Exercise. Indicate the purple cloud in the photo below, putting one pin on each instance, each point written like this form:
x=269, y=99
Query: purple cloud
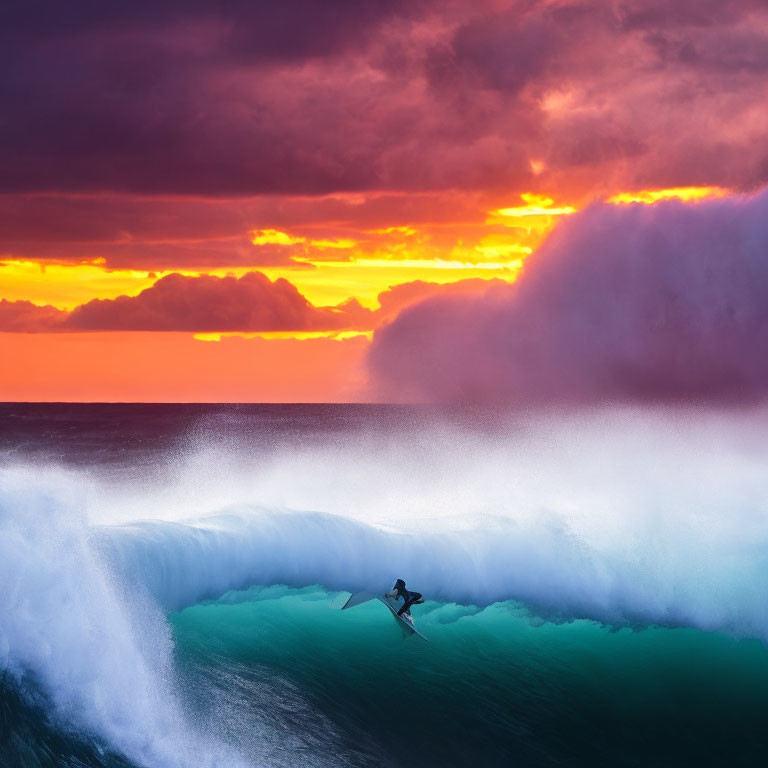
x=308, y=98
x=26, y=317
x=642, y=303
x=207, y=303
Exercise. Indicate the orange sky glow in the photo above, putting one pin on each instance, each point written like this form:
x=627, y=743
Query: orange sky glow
x=239, y=201
x=269, y=366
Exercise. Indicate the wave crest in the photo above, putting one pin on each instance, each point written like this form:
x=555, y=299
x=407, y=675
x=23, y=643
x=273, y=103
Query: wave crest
x=102, y=656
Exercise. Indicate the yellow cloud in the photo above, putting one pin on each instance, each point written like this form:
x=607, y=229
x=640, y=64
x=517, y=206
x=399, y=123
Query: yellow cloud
x=650, y=196
x=274, y=237
x=300, y=335
x=440, y=252
x=402, y=230
x=67, y=285
x=339, y=243
x=535, y=205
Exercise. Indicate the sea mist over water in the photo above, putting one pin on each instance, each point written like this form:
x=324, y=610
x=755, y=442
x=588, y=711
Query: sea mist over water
x=630, y=518
x=619, y=516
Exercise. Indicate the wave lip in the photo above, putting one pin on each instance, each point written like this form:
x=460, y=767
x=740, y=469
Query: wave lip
x=673, y=575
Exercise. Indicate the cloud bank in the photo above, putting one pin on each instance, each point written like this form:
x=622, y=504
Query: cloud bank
x=251, y=303
x=156, y=136
x=208, y=303
x=309, y=98
x=622, y=303
x=26, y=317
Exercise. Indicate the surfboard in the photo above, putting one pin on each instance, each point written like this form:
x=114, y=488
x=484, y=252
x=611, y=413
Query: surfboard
x=393, y=607
x=358, y=598
x=363, y=597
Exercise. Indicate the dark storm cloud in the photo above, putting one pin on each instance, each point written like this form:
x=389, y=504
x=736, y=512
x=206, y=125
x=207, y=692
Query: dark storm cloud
x=635, y=93
x=307, y=97
x=250, y=29
x=167, y=233
x=656, y=14
x=507, y=50
x=137, y=96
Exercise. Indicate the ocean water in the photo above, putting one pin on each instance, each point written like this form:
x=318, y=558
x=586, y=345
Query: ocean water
x=171, y=579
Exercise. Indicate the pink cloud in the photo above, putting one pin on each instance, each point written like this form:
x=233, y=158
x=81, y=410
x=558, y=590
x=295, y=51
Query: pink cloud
x=251, y=99
x=26, y=317
x=395, y=299
x=647, y=303
x=207, y=303
x=157, y=138
x=165, y=233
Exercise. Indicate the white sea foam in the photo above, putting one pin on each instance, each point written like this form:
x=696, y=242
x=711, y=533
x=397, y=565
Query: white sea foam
x=636, y=517
x=102, y=657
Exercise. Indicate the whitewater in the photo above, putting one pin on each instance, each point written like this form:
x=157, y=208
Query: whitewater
x=173, y=600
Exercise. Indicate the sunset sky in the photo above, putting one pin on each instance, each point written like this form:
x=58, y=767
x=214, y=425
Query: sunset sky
x=235, y=201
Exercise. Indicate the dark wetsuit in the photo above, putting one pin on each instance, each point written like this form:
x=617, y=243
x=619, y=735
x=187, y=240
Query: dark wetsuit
x=409, y=598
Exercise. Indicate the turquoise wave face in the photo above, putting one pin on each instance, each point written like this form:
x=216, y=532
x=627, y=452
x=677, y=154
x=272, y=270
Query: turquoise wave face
x=282, y=672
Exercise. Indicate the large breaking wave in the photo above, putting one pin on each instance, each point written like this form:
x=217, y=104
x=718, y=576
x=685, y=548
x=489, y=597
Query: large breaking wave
x=645, y=531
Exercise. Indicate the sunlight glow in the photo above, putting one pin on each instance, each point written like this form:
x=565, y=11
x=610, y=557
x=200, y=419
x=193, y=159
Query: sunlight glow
x=405, y=231
x=687, y=194
x=300, y=335
x=535, y=205
x=274, y=237
x=339, y=243
x=359, y=265
x=66, y=285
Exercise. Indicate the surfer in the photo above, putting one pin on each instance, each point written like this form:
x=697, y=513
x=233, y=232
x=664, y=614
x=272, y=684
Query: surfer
x=409, y=598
